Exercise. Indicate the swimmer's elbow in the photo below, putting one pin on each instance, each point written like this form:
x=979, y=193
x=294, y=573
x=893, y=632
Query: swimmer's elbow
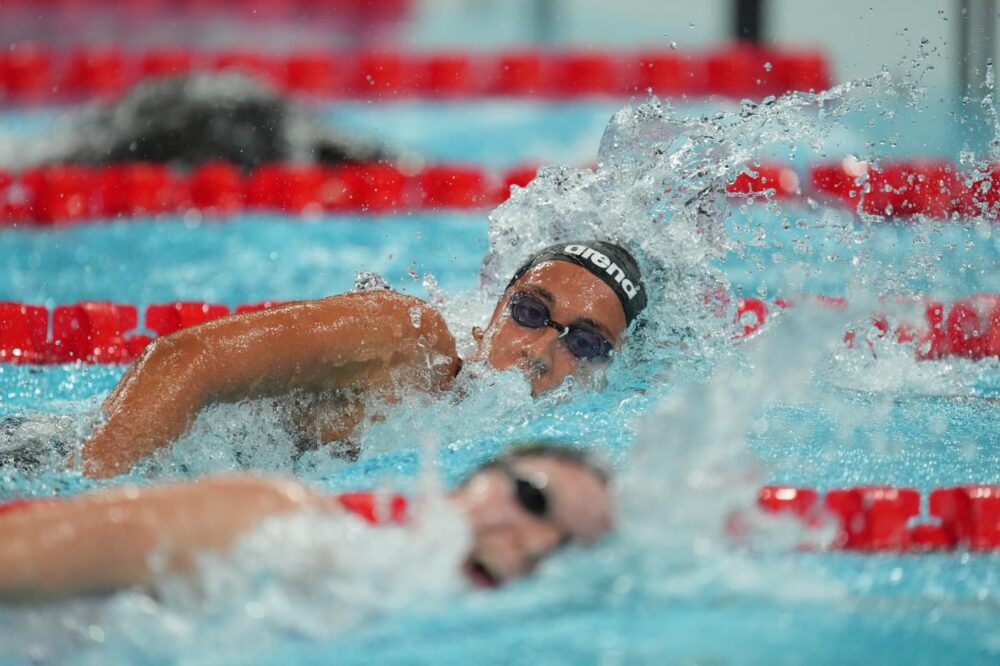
x=423, y=318
x=431, y=327
x=183, y=358
x=408, y=317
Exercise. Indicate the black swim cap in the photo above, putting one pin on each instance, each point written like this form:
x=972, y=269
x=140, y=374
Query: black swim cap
x=611, y=263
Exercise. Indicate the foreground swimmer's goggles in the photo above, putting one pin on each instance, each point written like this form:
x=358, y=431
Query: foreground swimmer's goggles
x=530, y=312
x=530, y=494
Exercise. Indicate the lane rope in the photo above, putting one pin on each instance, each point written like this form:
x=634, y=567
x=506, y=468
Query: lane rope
x=34, y=74
x=65, y=194
x=889, y=519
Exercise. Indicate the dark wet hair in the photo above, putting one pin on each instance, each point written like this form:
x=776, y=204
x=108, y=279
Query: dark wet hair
x=583, y=458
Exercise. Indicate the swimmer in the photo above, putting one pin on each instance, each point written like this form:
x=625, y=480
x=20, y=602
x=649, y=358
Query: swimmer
x=563, y=313
x=519, y=508
x=194, y=118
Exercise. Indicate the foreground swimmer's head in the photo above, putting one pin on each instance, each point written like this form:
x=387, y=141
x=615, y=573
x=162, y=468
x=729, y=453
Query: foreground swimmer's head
x=565, y=309
x=527, y=503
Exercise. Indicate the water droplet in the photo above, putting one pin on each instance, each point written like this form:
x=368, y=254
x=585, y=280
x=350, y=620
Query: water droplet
x=368, y=281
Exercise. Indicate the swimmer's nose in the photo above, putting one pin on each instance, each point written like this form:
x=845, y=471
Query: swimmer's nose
x=539, y=352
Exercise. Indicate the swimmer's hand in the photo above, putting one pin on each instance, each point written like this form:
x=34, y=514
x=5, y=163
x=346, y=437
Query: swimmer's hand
x=107, y=540
x=360, y=341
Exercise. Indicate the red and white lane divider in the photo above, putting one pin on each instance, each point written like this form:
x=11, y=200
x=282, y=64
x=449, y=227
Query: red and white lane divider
x=30, y=73
x=104, y=332
x=967, y=328
x=931, y=187
x=96, y=331
x=883, y=518
x=900, y=189
x=63, y=194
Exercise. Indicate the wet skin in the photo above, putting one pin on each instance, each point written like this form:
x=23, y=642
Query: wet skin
x=508, y=541
x=574, y=296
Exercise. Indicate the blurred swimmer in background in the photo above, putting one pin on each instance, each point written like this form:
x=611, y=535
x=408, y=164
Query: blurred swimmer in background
x=563, y=313
x=518, y=508
x=190, y=119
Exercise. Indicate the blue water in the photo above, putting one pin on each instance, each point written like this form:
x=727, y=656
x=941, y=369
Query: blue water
x=600, y=606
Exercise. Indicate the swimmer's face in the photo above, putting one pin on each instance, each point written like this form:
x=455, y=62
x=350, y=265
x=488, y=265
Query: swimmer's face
x=509, y=540
x=573, y=297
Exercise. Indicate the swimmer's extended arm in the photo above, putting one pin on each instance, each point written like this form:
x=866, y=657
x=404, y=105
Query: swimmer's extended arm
x=359, y=340
x=122, y=537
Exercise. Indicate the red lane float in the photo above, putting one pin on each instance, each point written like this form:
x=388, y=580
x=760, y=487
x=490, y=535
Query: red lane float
x=31, y=73
x=766, y=179
x=970, y=515
x=455, y=187
x=968, y=328
x=287, y=187
x=372, y=188
x=751, y=314
x=930, y=187
x=56, y=194
x=311, y=73
x=94, y=331
x=91, y=332
x=97, y=71
x=26, y=73
x=374, y=508
x=130, y=190
x=873, y=517
x=518, y=74
x=217, y=189
x=170, y=317
x=669, y=74
x=883, y=518
x=62, y=194
x=23, y=333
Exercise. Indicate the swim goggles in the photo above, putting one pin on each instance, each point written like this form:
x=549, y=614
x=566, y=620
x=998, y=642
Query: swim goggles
x=529, y=493
x=530, y=312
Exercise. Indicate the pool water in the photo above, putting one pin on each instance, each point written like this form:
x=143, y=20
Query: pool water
x=669, y=587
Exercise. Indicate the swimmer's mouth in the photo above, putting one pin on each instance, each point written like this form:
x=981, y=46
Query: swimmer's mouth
x=479, y=574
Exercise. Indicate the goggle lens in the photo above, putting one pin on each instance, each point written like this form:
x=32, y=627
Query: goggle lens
x=530, y=312
x=531, y=498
